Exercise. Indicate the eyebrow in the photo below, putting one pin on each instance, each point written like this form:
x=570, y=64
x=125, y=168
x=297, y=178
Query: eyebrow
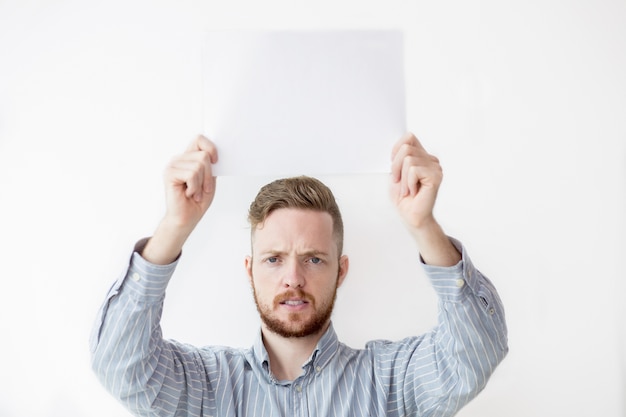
x=311, y=252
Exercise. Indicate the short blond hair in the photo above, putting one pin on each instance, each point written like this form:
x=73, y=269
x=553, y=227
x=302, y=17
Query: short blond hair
x=305, y=193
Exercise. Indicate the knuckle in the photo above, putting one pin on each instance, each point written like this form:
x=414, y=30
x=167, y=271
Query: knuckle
x=205, y=157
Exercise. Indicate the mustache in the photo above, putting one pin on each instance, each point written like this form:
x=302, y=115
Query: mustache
x=294, y=294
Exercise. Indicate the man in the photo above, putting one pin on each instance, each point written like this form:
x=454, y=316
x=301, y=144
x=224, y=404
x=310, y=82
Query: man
x=297, y=367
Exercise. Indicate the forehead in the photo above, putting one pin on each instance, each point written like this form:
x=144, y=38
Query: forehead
x=287, y=227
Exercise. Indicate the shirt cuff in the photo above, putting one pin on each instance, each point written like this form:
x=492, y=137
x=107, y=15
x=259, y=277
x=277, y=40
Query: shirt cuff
x=144, y=280
x=452, y=282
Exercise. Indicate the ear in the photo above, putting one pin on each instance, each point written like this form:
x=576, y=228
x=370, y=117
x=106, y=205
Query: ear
x=344, y=263
x=249, y=267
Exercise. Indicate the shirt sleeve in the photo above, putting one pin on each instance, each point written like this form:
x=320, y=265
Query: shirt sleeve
x=438, y=373
x=128, y=354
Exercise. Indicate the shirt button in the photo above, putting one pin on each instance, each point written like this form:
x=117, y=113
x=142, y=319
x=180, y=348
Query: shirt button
x=492, y=311
x=135, y=277
x=299, y=388
x=460, y=283
x=318, y=368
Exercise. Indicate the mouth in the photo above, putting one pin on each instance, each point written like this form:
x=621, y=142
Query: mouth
x=294, y=302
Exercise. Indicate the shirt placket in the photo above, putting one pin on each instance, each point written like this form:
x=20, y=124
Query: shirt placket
x=299, y=395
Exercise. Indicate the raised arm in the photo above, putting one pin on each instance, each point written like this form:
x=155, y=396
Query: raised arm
x=416, y=177
x=149, y=375
x=449, y=366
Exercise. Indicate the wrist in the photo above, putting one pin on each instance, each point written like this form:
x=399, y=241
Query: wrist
x=435, y=246
x=166, y=243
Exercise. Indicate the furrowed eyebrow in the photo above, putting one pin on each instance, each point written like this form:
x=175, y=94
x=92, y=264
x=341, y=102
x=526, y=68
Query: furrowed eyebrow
x=314, y=253
x=272, y=253
x=311, y=252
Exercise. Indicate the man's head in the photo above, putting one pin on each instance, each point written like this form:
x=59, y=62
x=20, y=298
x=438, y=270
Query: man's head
x=296, y=264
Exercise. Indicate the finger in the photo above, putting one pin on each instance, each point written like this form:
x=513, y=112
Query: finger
x=201, y=143
x=397, y=162
x=205, y=152
x=190, y=171
x=408, y=145
x=189, y=175
x=417, y=171
x=407, y=139
x=407, y=152
x=413, y=180
x=409, y=178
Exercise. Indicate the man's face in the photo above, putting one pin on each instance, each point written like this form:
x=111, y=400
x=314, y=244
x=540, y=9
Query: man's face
x=295, y=271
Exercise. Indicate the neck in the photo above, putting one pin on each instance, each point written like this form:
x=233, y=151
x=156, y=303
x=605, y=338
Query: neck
x=288, y=354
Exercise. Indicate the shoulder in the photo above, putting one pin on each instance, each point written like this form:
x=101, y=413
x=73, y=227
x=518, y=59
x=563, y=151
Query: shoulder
x=391, y=357
x=210, y=355
x=381, y=350
x=234, y=354
x=383, y=346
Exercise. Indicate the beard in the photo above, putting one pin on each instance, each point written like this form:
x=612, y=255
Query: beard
x=297, y=324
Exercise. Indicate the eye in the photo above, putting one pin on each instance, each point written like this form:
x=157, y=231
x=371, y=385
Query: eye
x=315, y=260
x=272, y=259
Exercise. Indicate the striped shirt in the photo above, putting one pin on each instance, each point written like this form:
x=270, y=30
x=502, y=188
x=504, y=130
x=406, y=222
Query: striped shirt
x=433, y=375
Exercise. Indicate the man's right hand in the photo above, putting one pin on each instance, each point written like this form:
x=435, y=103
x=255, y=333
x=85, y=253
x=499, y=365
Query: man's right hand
x=189, y=191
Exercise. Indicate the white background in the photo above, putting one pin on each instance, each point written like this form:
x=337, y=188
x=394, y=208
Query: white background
x=524, y=103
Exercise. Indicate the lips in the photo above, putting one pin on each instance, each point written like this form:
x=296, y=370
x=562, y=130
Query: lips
x=294, y=302
x=293, y=299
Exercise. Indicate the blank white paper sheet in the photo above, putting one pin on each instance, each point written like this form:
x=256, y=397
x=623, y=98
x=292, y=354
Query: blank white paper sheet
x=303, y=102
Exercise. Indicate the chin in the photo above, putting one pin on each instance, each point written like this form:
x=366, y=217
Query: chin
x=293, y=330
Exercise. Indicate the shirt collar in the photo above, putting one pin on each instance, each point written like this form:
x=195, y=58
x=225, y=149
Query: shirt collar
x=260, y=353
x=326, y=348
x=321, y=356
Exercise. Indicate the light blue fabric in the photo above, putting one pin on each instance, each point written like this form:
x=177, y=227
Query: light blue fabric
x=434, y=374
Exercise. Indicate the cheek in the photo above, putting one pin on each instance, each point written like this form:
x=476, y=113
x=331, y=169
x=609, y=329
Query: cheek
x=261, y=290
x=330, y=293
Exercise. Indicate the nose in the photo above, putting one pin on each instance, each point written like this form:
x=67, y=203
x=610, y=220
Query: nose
x=294, y=276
